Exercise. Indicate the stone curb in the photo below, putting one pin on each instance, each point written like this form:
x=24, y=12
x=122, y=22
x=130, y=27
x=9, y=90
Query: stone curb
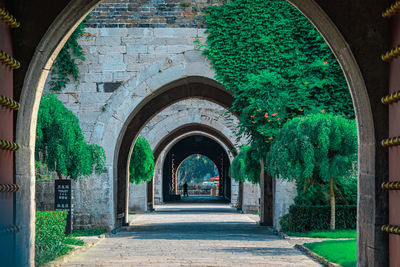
x=313, y=239
x=283, y=235
x=77, y=250
x=316, y=257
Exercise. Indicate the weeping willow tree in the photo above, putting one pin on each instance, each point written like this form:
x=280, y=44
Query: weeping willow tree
x=60, y=143
x=245, y=166
x=141, y=167
x=315, y=149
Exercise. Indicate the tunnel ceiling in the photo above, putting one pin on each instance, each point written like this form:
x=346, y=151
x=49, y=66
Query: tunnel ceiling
x=197, y=144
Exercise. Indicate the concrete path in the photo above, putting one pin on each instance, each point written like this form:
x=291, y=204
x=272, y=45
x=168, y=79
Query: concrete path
x=193, y=234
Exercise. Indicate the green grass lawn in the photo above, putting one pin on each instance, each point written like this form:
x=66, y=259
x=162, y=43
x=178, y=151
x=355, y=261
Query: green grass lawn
x=88, y=232
x=343, y=252
x=70, y=240
x=327, y=234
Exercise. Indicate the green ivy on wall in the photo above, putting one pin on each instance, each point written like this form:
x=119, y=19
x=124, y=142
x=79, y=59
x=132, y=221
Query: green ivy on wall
x=276, y=64
x=65, y=65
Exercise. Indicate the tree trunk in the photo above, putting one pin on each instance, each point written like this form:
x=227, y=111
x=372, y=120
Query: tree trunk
x=332, y=196
x=59, y=175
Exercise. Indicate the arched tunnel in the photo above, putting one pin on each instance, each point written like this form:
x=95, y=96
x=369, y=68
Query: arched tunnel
x=195, y=144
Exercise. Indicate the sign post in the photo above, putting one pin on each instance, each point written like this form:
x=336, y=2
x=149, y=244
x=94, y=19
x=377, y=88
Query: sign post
x=63, y=195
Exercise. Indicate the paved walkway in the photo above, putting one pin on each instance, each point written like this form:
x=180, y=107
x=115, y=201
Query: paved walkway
x=193, y=234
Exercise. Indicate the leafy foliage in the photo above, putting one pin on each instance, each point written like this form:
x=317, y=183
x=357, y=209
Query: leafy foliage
x=313, y=149
x=276, y=64
x=308, y=218
x=50, y=228
x=42, y=172
x=60, y=143
x=319, y=152
x=194, y=168
x=245, y=166
x=71, y=240
x=65, y=64
x=236, y=170
x=279, y=68
x=141, y=167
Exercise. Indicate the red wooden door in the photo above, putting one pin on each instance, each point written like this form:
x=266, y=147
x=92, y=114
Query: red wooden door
x=393, y=142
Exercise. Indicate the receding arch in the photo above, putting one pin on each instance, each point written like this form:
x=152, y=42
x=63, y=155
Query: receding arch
x=189, y=145
x=190, y=87
x=176, y=117
x=192, y=128
x=157, y=180
x=180, y=164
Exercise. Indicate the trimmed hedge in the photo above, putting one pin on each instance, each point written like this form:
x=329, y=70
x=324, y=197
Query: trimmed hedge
x=308, y=218
x=50, y=234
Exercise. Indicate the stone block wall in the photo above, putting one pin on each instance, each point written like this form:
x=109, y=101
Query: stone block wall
x=86, y=213
x=234, y=193
x=115, y=56
x=158, y=182
x=284, y=194
x=123, y=58
x=44, y=195
x=251, y=197
x=137, y=197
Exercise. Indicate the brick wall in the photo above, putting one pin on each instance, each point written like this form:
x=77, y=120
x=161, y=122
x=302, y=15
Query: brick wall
x=150, y=14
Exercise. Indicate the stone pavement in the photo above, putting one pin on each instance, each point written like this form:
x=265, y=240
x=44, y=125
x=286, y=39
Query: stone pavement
x=193, y=234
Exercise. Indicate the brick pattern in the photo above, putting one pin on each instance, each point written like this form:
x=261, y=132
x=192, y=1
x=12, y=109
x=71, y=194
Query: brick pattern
x=150, y=14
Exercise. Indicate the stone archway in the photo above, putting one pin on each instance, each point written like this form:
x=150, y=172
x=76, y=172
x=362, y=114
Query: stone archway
x=182, y=117
x=191, y=87
x=371, y=248
x=189, y=145
x=168, y=141
x=144, y=196
x=191, y=112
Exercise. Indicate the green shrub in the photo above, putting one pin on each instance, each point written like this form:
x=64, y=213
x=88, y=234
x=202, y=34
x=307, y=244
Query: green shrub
x=141, y=167
x=89, y=232
x=71, y=240
x=50, y=234
x=60, y=143
x=246, y=165
x=308, y=218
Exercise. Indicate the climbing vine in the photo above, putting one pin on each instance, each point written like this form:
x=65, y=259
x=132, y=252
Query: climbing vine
x=65, y=65
x=276, y=64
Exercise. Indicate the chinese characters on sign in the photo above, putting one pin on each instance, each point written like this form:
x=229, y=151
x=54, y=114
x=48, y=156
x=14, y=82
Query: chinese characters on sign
x=62, y=201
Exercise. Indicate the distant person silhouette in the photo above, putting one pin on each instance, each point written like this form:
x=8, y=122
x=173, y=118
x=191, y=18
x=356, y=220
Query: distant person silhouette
x=185, y=189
